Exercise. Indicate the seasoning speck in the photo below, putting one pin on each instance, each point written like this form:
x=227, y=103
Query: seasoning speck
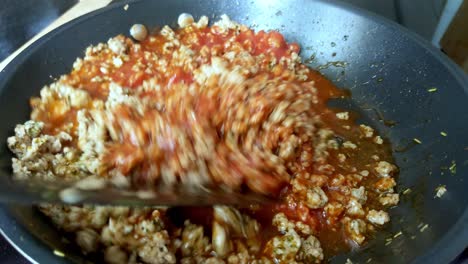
x=424, y=228
x=408, y=190
x=432, y=90
x=453, y=167
x=59, y=253
x=444, y=134
x=417, y=140
x=440, y=190
x=398, y=234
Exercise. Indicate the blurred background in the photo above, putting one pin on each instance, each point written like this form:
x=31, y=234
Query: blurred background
x=442, y=22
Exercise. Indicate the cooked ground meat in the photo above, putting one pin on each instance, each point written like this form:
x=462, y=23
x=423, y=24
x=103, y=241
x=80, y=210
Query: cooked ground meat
x=215, y=106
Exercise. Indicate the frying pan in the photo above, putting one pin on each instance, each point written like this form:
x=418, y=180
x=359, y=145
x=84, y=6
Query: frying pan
x=388, y=70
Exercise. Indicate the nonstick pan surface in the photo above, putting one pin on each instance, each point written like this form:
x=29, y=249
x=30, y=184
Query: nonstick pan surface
x=387, y=68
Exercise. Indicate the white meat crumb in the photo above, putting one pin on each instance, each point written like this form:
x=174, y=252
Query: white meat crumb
x=349, y=144
x=117, y=61
x=316, y=198
x=354, y=208
x=360, y=194
x=385, y=169
x=378, y=217
x=117, y=45
x=77, y=64
x=342, y=115
x=389, y=199
x=285, y=247
x=73, y=97
x=311, y=251
x=367, y=131
x=155, y=250
x=364, y=173
x=355, y=229
x=119, y=95
x=202, y=22
x=440, y=190
x=341, y=157
x=378, y=140
x=92, y=135
x=284, y=224
x=41, y=156
x=226, y=23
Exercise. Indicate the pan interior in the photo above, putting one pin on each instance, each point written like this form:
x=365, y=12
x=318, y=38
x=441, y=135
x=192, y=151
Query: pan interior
x=389, y=73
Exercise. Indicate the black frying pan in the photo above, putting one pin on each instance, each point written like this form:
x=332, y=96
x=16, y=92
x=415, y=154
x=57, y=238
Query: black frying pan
x=387, y=68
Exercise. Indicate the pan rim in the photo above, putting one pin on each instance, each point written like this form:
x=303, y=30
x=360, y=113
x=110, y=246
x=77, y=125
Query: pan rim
x=444, y=250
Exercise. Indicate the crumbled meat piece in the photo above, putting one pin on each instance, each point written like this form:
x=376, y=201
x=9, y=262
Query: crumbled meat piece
x=354, y=208
x=284, y=224
x=226, y=23
x=349, y=145
x=360, y=194
x=202, y=22
x=117, y=45
x=334, y=209
x=343, y=115
x=284, y=248
x=117, y=62
x=316, y=198
x=367, y=131
x=341, y=157
x=311, y=251
x=72, y=97
x=377, y=217
x=364, y=173
x=385, y=169
x=389, y=199
x=385, y=184
x=355, y=229
x=378, y=140
x=42, y=156
x=155, y=249
x=92, y=135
